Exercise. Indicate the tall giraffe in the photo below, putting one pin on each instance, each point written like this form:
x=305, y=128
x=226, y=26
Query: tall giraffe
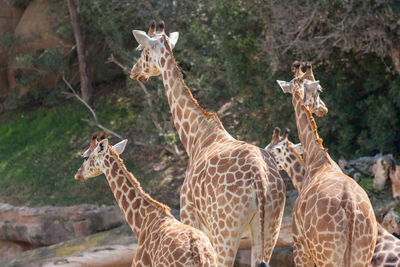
x=334, y=221
x=288, y=158
x=162, y=240
x=230, y=187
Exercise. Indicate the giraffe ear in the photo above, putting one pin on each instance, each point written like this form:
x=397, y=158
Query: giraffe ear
x=299, y=148
x=286, y=86
x=173, y=39
x=101, y=147
x=143, y=39
x=86, y=153
x=120, y=147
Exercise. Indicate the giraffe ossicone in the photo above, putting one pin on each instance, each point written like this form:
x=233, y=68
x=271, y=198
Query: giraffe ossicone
x=231, y=188
x=162, y=240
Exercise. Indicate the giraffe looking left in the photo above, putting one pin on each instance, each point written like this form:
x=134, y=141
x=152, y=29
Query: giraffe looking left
x=231, y=188
x=162, y=240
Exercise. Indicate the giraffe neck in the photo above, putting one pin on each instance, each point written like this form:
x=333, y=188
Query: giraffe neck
x=314, y=154
x=190, y=119
x=296, y=172
x=139, y=209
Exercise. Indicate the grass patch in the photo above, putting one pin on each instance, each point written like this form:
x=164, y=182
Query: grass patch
x=40, y=152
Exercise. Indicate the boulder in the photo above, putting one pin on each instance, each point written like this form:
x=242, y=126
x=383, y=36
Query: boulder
x=391, y=222
x=35, y=28
x=115, y=247
x=9, y=17
x=395, y=178
x=381, y=170
x=50, y=225
x=9, y=249
x=36, y=24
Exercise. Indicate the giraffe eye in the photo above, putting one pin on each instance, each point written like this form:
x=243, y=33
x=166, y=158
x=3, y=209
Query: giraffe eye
x=278, y=150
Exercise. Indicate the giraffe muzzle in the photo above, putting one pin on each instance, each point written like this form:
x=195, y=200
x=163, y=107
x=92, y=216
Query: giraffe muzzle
x=140, y=77
x=79, y=177
x=321, y=111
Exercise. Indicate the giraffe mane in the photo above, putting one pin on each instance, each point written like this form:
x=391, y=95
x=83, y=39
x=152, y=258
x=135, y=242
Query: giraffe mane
x=136, y=184
x=209, y=115
x=312, y=121
x=295, y=153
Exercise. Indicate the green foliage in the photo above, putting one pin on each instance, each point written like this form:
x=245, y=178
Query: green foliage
x=367, y=184
x=363, y=108
x=228, y=51
x=40, y=152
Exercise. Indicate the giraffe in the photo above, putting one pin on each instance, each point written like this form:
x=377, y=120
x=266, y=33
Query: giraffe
x=334, y=223
x=162, y=240
x=231, y=188
x=288, y=158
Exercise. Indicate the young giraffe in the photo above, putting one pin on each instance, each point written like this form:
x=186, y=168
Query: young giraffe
x=231, y=187
x=334, y=223
x=288, y=158
x=162, y=240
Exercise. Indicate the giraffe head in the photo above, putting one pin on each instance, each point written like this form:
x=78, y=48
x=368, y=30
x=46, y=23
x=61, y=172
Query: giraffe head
x=93, y=164
x=153, y=46
x=287, y=155
x=308, y=87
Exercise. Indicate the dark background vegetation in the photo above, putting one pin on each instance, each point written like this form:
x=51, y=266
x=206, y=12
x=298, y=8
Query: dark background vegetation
x=230, y=52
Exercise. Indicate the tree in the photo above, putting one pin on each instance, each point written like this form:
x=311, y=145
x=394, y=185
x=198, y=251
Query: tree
x=86, y=87
x=312, y=29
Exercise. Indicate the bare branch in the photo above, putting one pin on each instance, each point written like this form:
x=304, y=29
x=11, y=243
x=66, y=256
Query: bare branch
x=112, y=59
x=95, y=122
x=74, y=94
x=301, y=30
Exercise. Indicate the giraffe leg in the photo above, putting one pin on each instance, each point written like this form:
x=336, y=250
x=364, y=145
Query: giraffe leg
x=300, y=255
x=273, y=220
x=225, y=249
x=256, y=253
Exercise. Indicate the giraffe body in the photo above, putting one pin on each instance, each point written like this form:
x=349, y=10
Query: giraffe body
x=231, y=188
x=333, y=222
x=288, y=158
x=387, y=250
x=162, y=240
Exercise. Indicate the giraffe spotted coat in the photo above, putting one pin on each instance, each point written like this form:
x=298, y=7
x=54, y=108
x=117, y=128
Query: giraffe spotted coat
x=162, y=240
x=288, y=158
x=231, y=188
x=334, y=223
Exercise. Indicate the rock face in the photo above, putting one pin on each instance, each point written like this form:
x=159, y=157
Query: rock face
x=9, y=17
x=48, y=225
x=36, y=24
x=9, y=249
x=395, y=178
x=115, y=247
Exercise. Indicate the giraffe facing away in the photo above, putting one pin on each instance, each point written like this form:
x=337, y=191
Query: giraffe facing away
x=231, y=188
x=162, y=240
x=334, y=223
x=289, y=158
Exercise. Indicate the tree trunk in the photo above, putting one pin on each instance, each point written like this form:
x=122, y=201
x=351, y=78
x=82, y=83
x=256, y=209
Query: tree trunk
x=86, y=87
x=395, y=55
